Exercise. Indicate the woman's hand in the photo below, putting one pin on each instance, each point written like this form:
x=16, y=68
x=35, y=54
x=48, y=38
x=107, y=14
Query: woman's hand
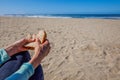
x=41, y=50
x=18, y=46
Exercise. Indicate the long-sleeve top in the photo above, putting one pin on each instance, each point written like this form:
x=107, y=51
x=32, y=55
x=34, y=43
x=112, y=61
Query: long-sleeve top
x=23, y=73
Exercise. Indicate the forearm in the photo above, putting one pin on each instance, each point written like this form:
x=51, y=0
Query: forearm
x=24, y=73
x=10, y=50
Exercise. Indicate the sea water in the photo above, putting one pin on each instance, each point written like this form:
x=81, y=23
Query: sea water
x=102, y=16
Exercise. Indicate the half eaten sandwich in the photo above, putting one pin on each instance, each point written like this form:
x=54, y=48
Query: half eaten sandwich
x=41, y=35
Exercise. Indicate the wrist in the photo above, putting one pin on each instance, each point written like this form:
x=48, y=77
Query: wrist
x=10, y=50
x=35, y=61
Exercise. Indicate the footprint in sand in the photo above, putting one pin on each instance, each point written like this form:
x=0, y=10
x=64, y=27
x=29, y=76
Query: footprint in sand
x=90, y=47
x=114, y=72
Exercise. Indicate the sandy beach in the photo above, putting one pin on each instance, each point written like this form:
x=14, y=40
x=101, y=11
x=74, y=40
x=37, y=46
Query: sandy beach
x=81, y=49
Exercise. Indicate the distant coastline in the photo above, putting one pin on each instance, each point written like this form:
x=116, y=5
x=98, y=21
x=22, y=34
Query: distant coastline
x=96, y=16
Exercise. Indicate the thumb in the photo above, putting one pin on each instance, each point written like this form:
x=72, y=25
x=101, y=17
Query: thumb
x=38, y=42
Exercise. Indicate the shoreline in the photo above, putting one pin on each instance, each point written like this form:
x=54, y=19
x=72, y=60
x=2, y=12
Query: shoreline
x=53, y=17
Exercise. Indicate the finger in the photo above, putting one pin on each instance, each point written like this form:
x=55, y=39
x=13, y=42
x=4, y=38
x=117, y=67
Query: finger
x=34, y=36
x=46, y=42
x=29, y=36
x=26, y=41
x=38, y=41
x=48, y=50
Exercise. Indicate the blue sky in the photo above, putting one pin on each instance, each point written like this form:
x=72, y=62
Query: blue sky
x=59, y=6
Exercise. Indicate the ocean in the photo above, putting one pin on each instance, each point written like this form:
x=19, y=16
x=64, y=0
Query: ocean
x=99, y=16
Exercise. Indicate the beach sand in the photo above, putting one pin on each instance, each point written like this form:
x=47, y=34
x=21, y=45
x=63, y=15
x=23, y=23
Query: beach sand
x=81, y=49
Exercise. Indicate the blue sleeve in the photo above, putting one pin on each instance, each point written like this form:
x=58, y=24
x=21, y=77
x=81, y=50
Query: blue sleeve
x=24, y=73
x=3, y=56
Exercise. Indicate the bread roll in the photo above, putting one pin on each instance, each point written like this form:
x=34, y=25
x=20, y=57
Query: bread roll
x=41, y=35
